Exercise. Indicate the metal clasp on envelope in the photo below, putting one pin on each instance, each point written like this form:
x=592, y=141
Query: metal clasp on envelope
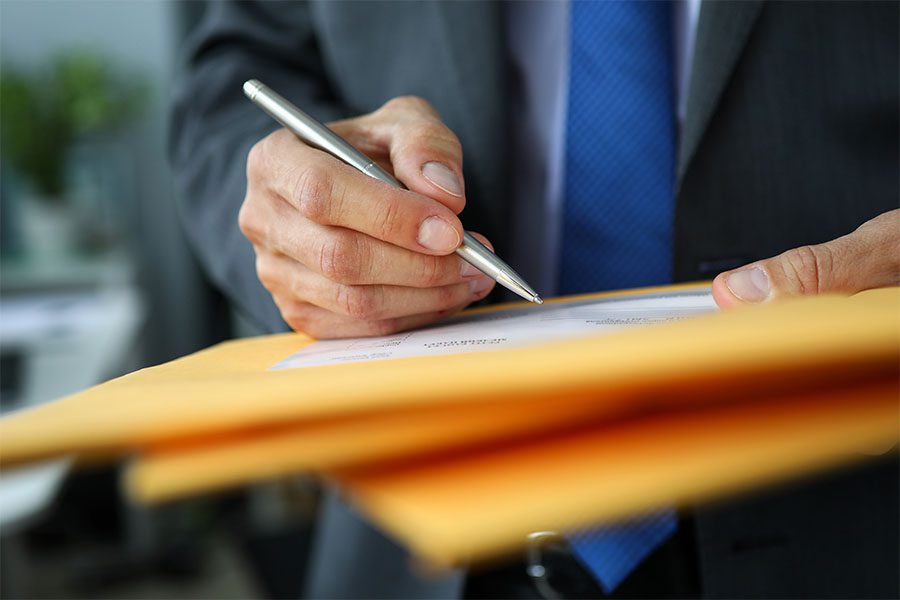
x=534, y=561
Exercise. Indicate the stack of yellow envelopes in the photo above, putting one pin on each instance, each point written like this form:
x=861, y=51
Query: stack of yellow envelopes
x=461, y=456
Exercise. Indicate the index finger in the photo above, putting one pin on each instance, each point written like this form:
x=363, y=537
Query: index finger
x=328, y=192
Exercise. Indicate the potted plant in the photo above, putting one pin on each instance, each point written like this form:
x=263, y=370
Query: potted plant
x=42, y=114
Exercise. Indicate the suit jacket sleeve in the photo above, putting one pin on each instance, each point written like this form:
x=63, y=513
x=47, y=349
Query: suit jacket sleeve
x=213, y=126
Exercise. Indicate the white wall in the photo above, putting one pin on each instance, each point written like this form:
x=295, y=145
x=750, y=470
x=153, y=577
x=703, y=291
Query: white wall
x=139, y=32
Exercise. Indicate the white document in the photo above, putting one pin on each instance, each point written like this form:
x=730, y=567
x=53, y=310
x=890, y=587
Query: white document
x=510, y=328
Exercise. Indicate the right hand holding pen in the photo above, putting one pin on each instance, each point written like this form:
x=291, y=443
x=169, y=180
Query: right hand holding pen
x=346, y=255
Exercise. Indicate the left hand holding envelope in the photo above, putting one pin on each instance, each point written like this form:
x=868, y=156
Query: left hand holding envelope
x=864, y=259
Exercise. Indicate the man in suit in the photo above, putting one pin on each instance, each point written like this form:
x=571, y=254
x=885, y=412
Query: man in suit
x=762, y=151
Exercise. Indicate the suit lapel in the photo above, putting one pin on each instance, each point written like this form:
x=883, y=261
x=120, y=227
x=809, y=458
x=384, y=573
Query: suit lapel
x=477, y=75
x=722, y=33
x=474, y=57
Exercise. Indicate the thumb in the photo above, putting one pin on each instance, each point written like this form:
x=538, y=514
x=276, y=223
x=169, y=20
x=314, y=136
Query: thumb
x=867, y=258
x=425, y=154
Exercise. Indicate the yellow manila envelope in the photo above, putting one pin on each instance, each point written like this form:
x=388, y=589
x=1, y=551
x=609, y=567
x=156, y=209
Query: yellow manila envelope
x=173, y=470
x=475, y=506
x=189, y=415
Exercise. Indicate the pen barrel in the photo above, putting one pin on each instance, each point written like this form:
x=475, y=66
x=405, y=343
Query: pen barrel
x=307, y=128
x=479, y=256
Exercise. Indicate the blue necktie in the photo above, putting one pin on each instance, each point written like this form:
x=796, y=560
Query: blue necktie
x=620, y=165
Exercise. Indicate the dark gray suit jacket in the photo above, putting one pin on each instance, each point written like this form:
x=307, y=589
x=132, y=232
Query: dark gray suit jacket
x=791, y=138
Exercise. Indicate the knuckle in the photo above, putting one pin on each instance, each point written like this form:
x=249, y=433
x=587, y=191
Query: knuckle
x=409, y=103
x=312, y=192
x=357, y=302
x=432, y=271
x=248, y=222
x=426, y=129
x=808, y=266
x=397, y=102
x=256, y=159
x=389, y=221
x=384, y=327
x=296, y=317
x=429, y=136
x=301, y=325
x=265, y=272
x=340, y=258
x=294, y=322
x=450, y=295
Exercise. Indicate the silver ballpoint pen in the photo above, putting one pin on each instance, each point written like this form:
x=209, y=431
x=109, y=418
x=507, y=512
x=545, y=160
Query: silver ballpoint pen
x=318, y=135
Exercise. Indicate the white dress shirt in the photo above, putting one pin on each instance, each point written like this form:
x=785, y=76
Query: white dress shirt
x=538, y=47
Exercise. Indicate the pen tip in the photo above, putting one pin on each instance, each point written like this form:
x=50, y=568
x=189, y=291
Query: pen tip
x=538, y=300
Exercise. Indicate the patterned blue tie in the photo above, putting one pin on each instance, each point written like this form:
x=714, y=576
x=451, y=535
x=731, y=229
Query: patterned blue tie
x=620, y=165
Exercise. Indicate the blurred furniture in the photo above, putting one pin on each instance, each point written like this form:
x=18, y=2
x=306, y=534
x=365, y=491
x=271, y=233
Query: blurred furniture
x=64, y=326
x=26, y=492
x=62, y=341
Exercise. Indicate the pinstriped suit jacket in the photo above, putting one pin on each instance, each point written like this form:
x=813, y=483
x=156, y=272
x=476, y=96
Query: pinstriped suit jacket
x=790, y=138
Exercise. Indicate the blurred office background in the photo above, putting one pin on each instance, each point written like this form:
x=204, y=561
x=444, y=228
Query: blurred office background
x=96, y=280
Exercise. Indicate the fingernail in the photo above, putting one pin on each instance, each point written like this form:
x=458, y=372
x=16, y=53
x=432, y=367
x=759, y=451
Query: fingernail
x=437, y=234
x=479, y=286
x=750, y=285
x=467, y=270
x=441, y=176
